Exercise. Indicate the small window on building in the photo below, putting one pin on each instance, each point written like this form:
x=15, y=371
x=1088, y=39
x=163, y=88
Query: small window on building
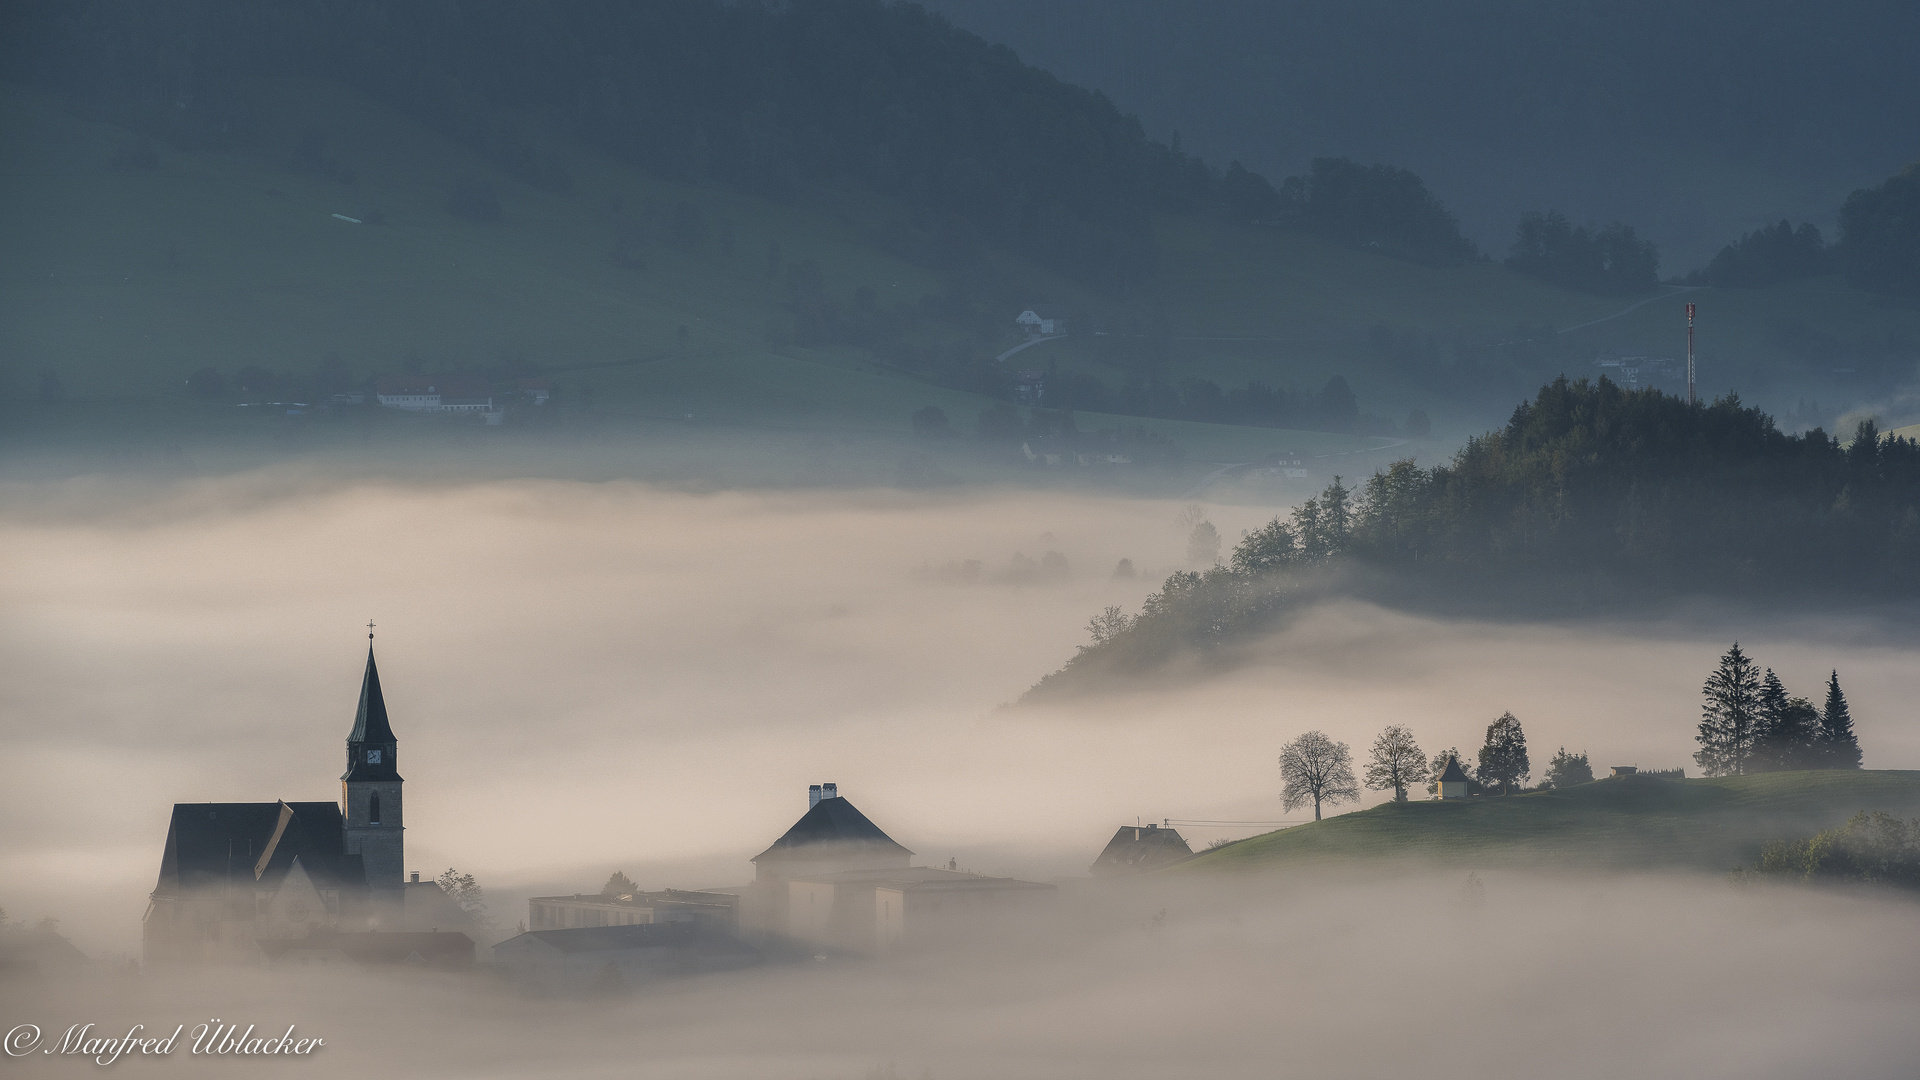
x=373, y=808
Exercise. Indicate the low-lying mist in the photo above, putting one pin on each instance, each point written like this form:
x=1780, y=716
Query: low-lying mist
x=587, y=677
x=1342, y=976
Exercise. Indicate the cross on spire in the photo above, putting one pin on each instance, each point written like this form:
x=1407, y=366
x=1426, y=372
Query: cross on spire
x=369, y=629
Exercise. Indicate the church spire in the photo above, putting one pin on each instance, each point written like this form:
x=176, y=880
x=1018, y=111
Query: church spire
x=370, y=724
x=371, y=747
x=370, y=789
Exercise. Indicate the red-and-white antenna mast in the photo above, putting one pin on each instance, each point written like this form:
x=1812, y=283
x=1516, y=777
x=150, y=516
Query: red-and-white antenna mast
x=1690, y=396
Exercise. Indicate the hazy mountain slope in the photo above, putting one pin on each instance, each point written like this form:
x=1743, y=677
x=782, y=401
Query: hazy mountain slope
x=1640, y=822
x=1695, y=122
x=121, y=282
x=639, y=208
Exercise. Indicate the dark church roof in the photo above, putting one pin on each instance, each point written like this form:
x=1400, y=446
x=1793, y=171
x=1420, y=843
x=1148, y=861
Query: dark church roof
x=831, y=822
x=370, y=729
x=210, y=845
x=1140, y=847
x=1453, y=773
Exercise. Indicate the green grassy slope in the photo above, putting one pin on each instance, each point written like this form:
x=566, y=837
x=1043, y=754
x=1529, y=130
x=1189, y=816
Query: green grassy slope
x=1712, y=824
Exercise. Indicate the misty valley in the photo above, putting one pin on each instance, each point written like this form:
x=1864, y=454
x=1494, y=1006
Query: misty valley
x=883, y=540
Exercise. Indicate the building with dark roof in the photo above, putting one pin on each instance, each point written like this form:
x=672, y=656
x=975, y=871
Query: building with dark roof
x=1136, y=848
x=233, y=875
x=831, y=837
x=1453, y=782
x=836, y=880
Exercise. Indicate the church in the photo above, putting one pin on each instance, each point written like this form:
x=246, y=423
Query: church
x=240, y=882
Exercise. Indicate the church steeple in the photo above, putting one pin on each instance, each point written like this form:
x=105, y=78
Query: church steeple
x=371, y=745
x=370, y=788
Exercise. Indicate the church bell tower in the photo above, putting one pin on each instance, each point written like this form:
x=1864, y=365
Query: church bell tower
x=370, y=789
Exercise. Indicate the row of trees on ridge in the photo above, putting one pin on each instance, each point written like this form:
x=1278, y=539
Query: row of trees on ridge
x=1317, y=770
x=1749, y=723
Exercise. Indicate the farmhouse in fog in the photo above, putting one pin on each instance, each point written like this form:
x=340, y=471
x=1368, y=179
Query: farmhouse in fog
x=835, y=880
x=1140, y=847
x=1036, y=326
x=438, y=393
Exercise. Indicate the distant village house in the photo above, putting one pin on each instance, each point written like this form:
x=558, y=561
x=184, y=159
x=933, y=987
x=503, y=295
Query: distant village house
x=1036, y=326
x=1138, y=848
x=435, y=394
x=836, y=880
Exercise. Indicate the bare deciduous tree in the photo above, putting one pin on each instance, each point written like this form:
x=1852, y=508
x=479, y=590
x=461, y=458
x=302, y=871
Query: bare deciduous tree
x=466, y=892
x=1397, y=763
x=1109, y=624
x=1314, y=768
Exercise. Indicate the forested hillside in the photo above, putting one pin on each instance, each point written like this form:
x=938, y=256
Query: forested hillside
x=1589, y=494
x=762, y=97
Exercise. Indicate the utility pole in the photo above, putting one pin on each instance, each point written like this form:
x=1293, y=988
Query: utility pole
x=1690, y=395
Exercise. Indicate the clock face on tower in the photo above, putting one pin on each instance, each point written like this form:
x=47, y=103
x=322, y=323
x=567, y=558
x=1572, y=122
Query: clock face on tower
x=373, y=757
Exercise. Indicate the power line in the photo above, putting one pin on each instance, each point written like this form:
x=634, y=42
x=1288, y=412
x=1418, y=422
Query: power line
x=1205, y=821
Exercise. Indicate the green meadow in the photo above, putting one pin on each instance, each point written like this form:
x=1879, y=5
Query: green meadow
x=1638, y=822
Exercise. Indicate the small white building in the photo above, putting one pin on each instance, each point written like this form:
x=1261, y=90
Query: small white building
x=717, y=910
x=434, y=393
x=1036, y=326
x=1453, y=780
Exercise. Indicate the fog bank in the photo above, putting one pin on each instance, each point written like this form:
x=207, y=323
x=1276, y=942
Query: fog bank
x=589, y=677
x=1395, y=975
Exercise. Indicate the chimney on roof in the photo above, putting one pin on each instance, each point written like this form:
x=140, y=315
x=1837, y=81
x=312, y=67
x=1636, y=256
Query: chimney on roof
x=813, y=796
x=829, y=791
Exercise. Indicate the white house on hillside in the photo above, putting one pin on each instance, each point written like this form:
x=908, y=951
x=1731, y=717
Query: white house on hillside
x=434, y=393
x=1035, y=326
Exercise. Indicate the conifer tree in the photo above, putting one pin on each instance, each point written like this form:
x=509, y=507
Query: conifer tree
x=1798, y=739
x=1780, y=737
x=1728, y=719
x=1566, y=770
x=1839, y=749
